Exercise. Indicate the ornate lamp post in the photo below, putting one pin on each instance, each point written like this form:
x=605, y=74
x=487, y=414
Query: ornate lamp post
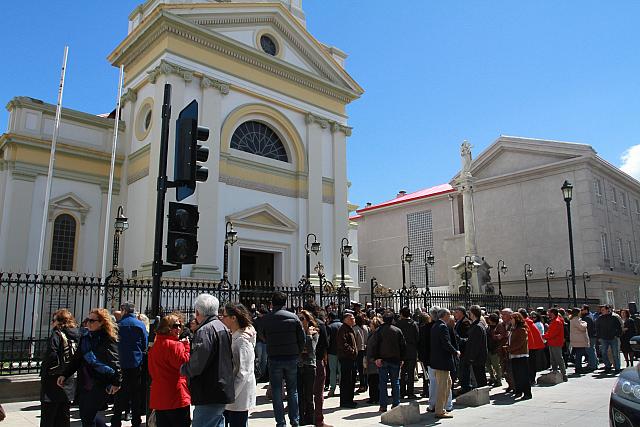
x=549, y=273
x=567, y=193
x=120, y=225
x=528, y=272
x=586, y=277
x=315, y=248
x=501, y=269
x=406, y=257
x=567, y=276
x=429, y=260
x=345, y=251
x=231, y=236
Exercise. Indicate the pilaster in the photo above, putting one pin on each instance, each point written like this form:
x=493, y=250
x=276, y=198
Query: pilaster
x=339, y=135
x=315, y=128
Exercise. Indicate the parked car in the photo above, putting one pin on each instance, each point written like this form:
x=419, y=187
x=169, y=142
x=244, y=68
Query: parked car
x=635, y=345
x=624, y=404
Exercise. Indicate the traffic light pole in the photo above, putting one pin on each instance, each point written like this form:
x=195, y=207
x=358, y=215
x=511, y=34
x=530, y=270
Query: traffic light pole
x=163, y=183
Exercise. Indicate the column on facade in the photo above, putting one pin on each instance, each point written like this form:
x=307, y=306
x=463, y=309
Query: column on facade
x=20, y=242
x=315, y=128
x=210, y=240
x=340, y=209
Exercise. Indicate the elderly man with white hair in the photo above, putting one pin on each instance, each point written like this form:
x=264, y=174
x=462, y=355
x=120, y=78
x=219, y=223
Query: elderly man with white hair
x=442, y=361
x=209, y=371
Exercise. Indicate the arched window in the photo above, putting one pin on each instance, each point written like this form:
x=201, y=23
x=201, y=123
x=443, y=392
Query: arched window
x=259, y=139
x=64, y=243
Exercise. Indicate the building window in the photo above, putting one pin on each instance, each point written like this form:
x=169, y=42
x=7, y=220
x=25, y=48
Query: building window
x=259, y=139
x=630, y=252
x=623, y=200
x=605, y=246
x=362, y=274
x=638, y=208
x=268, y=45
x=610, y=298
x=620, y=251
x=614, y=198
x=64, y=243
x=597, y=188
x=420, y=236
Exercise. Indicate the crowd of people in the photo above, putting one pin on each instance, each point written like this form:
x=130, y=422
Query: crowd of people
x=205, y=371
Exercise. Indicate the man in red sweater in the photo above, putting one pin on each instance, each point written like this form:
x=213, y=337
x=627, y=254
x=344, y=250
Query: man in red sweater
x=536, y=345
x=555, y=341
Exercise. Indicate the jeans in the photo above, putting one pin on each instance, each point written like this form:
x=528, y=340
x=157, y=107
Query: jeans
x=555, y=354
x=580, y=353
x=130, y=395
x=334, y=367
x=433, y=391
x=591, y=354
x=261, y=360
x=306, y=380
x=614, y=344
x=407, y=378
x=211, y=415
x=287, y=369
x=389, y=370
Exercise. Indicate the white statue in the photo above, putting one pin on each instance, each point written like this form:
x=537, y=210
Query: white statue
x=465, y=153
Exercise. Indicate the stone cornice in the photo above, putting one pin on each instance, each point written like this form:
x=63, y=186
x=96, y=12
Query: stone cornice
x=251, y=185
x=209, y=82
x=166, y=68
x=327, y=124
x=131, y=95
x=25, y=171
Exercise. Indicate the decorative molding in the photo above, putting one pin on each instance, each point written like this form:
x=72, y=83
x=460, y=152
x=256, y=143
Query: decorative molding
x=131, y=95
x=266, y=188
x=209, y=82
x=69, y=202
x=165, y=68
x=137, y=176
x=25, y=171
x=326, y=123
x=265, y=217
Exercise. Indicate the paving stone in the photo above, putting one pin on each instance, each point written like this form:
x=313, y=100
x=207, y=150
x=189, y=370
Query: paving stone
x=401, y=415
x=476, y=397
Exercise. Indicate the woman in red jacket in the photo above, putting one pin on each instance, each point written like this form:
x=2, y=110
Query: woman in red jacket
x=169, y=393
x=537, y=358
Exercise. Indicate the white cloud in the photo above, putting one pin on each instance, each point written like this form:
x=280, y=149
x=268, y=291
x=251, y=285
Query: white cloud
x=631, y=161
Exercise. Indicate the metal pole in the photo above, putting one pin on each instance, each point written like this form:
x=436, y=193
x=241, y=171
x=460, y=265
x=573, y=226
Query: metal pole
x=308, y=267
x=162, y=190
x=548, y=289
x=573, y=265
x=526, y=286
x=404, y=282
x=566, y=276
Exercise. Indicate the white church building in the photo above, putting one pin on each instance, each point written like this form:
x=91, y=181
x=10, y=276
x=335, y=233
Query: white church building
x=274, y=99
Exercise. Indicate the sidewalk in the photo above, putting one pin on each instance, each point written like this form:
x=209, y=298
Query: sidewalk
x=582, y=401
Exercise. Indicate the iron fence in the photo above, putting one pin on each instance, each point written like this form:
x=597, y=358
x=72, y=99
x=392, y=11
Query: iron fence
x=31, y=300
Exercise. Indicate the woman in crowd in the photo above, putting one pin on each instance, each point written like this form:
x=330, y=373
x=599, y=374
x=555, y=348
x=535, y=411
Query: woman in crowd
x=537, y=321
x=169, y=392
x=628, y=332
x=424, y=336
x=362, y=331
x=63, y=342
x=579, y=338
x=237, y=318
x=493, y=346
x=370, y=363
x=519, y=357
x=98, y=366
x=307, y=368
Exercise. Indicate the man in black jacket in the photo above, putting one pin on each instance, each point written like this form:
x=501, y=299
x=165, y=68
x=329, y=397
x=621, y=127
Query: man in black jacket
x=321, y=363
x=410, y=332
x=442, y=361
x=332, y=352
x=462, y=335
x=209, y=371
x=285, y=342
x=475, y=354
x=389, y=351
x=608, y=328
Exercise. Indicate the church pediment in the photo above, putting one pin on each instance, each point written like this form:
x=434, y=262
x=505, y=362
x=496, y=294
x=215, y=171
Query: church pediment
x=264, y=217
x=69, y=202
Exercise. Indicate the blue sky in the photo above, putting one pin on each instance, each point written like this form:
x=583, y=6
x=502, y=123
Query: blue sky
x=435, y=73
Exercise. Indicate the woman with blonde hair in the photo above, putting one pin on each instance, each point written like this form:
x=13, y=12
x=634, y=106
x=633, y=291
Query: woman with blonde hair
x=63, y=342
x=98, y=366
x=370, y=363
x=169, y=396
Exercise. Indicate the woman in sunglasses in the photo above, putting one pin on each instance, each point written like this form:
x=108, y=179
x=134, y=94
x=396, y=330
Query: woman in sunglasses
x=170, y=398
x=98, y=366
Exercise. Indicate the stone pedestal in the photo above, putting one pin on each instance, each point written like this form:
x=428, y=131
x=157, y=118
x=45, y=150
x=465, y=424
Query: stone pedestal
x=551, y=378
x=476, y=397
x=402, y=415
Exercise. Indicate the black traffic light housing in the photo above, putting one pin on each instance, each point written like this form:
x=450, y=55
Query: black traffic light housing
x=188, y=153
x=182, y=239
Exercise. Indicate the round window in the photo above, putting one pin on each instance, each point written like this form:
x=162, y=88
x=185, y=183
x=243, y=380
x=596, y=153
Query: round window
x=268, y=45
x=144, y=119
x=147, y=120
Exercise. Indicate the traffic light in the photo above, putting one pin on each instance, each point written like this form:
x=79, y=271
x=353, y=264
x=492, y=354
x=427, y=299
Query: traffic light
x=188, y=153
x=182, y=241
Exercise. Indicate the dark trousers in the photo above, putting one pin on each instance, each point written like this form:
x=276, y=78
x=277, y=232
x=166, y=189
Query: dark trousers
x=347, y=381
x=53, y=414
x=318, y=390
x=407, y=378
x=481, y=375
x=465, y=375
x=130, y=395
x=91, y=402
x=520, y=369
x=362, y=377
x=306, y=379
x=179, y=417
x=374, y=387
x=533, y=365
x=236, y=418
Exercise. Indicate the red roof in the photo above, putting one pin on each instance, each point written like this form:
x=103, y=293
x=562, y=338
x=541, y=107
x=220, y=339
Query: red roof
x=422, y=194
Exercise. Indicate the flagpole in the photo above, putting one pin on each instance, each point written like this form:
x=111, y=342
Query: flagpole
x=47, y=195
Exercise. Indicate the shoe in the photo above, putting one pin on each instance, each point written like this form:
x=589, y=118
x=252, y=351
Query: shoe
x=332, y=393
x=324, y=425
x=382, y=409
x=565, y=378
x=517, y=395
x=361, y=390
x=430, y=410
x=412, y=396
x=497, y=383
x=127, y=416
x=508, y=390
x=526, y=397
x=444, y=415
x=349, y=405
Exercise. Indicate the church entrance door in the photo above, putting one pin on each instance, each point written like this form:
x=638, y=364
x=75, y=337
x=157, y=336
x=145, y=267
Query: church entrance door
x=256, y=266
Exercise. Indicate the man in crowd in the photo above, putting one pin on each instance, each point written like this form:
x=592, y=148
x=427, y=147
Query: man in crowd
x=502, y=336
x=555, y=341
x=475, y=355
x=592, y=357
x=132, y=345
x=332, y=352
x=442, y=361
x=285, y=339
x=261, y=345
x=389, y=352
x=347, y=349
x=535, y=345
x=209, y=371
x=411, y=335
x=321, y=363
x=462, y=335
x=608, y=329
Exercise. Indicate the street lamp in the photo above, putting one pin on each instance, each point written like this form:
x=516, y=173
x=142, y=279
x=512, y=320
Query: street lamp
x=231, y=236
x=315, y=248
x=586, y=277
x=567, y=193
x=528, y=272
x=345, y=251
x=429, y=260
x=567, y=276
x=501, y=269
x=120, y=225
x=549, y=273
x=406, y=257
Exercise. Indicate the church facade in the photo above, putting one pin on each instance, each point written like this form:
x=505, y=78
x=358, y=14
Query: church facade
x=519, y=216
x=274, y=99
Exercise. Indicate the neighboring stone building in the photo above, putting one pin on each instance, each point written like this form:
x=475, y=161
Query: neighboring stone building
x=520, y=217
x=274, y=98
